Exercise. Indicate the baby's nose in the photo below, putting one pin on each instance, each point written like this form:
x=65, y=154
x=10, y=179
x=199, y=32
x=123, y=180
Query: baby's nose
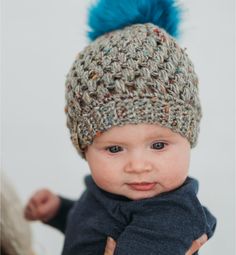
x=138, y=164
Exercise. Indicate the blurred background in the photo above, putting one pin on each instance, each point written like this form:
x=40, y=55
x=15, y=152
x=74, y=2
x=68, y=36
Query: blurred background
x=40, y=40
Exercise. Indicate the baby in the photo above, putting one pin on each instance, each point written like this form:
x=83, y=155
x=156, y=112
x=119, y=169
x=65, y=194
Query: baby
x=133, y=112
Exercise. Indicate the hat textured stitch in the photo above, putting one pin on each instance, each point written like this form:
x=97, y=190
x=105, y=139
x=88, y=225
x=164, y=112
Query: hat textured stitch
x=136, y=74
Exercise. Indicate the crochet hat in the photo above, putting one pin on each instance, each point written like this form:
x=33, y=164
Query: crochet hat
x=132, y=73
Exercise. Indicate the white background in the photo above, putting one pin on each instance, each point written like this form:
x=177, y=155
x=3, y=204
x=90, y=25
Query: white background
x=40, y=42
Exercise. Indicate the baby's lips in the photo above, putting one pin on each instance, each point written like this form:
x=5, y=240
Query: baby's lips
x=142, y=186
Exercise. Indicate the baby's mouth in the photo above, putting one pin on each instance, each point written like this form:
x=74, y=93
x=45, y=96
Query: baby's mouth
x=142, y=186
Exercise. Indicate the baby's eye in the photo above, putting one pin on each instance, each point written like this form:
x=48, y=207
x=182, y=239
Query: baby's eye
x=114, y=149
x=158, y=145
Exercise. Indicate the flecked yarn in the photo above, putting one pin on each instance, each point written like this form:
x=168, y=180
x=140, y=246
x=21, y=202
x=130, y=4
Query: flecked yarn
x=137, y=74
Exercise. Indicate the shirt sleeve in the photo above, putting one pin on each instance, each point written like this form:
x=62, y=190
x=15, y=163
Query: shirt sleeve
x=211, y=222
x=60, y=220
x=170, y=234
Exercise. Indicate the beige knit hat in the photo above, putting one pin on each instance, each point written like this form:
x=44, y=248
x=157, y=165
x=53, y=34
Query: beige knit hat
x=137, y=74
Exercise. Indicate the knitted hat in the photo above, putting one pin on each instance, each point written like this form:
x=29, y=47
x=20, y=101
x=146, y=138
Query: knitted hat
x=132, y=73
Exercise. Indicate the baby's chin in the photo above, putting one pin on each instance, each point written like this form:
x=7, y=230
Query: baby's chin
x=141, y=195
x=133, y=194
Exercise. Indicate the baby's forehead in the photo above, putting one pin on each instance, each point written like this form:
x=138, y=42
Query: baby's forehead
x=135, y=131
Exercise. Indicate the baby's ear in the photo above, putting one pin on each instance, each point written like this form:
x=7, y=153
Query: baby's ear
x=85, y=153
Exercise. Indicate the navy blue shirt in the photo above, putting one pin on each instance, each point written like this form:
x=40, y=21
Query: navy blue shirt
x=163, y=225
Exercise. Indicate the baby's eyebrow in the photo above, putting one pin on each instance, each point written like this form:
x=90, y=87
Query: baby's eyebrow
x=151, y=137
x=110, y=142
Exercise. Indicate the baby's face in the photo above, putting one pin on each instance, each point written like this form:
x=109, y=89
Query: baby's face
x=139, y=161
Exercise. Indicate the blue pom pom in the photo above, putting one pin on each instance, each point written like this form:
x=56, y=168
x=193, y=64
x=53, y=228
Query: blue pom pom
x=109, y=15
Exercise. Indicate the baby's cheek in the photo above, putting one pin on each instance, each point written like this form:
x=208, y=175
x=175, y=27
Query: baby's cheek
x=174, y=179
x=180, y=166
x=97, y=177
x=101, y=178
